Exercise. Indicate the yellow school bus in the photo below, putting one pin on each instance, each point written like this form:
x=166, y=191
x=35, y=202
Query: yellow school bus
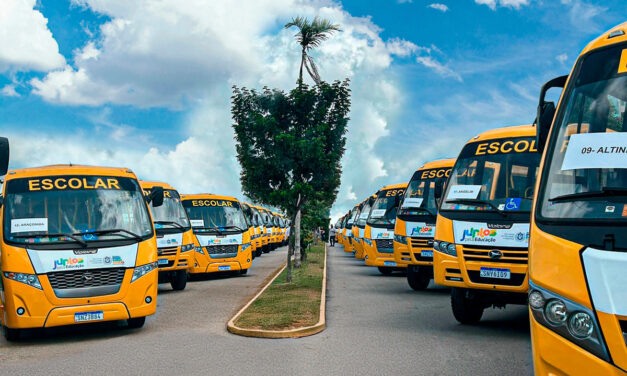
x=267, y=219
x=364, y=211
x=379, y=231
x=222, y=239
x=340, y=235
x=356, y=241
x=254, y=226
x=263, y=238
x=415, y=222
x=276, y=235
x=175, y=240
x=482, y=229
x=346, y=233
x=78, y=245
x=578, y=248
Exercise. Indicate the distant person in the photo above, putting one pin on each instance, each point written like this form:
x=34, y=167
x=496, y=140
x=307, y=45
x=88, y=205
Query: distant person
x=332, y=236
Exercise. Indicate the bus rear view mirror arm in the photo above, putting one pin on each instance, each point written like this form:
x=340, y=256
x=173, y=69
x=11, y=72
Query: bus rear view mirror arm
x=4, y=156
x=156, y=197
x=546, y=111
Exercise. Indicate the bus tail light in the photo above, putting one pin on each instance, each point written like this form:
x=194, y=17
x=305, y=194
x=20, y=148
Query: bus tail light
x=29, y=279
x=570, y=320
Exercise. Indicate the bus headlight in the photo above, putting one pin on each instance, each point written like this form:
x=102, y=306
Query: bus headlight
x=28, y=279
x=199, y=250
x=570, y=320
x=400, y=239
x=245, y=246
x=187, y=248
x=141, y=271
x=445, y=247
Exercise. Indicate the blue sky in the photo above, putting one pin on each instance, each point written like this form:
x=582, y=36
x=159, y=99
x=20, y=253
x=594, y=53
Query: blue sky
x=146, y=84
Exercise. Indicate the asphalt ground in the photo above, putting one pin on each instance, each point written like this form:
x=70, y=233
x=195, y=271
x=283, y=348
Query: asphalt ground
x=376, y=325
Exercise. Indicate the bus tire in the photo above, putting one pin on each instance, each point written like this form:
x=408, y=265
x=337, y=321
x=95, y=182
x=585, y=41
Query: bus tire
x=467, y=308
x=11, y=334
x=136, y=322
x=178, y=280
x=243, y=271
x=417, y=279
x=385, y=271
x=266, y=249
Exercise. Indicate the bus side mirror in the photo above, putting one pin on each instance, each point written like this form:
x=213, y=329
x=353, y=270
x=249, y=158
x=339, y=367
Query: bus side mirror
x=4, y=156
x=546, y=111
x=156, y=197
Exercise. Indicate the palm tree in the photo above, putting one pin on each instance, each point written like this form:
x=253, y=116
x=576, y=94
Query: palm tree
x=310, y=35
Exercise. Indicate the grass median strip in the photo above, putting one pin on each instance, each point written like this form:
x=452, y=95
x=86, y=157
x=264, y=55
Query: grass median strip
x=284, y=305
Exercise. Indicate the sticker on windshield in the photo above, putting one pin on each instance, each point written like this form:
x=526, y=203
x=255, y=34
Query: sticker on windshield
x=363, y=215
x=512, y=204
x=622, y=66
x=596, y=150
x=377, y=213
x=463, y=192
x=29, y=225
x=412, y=202
x=197, y=222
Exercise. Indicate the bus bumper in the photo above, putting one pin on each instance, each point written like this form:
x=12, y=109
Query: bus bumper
x=205, y=264
x=177, y=262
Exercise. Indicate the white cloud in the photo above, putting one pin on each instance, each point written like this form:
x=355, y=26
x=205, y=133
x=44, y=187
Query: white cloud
x=439, y=68
x=438, y=6
x=583, y=15
x=516, y=4
x=562, y=58
x=25, y=41
x=9, y=91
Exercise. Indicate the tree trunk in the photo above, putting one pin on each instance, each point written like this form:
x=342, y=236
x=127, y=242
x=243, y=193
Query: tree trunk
x=300, y=72
x=297, y=250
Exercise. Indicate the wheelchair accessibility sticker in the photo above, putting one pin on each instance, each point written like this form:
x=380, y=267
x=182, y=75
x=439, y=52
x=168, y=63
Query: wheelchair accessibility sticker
x=512, y=204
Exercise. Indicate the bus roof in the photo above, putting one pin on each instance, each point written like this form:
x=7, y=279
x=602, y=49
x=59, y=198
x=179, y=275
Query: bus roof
x=505, y=132
x=67, y=169
x=605, y=40
x=440, y=163
x=151, y=184
x=394, y=186
x=209, y=196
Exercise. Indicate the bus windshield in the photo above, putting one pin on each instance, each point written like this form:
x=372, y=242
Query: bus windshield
x=363, y=214
x=383, y=210
x=496, y=175
x=215, y=215
x=171, y=215
x=74, y=209
x=249, y=214
x=419, y=199
x=587, y=176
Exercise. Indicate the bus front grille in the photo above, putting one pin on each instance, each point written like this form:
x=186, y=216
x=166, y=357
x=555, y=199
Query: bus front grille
x=384, y=245
x=167, y=251
x=505, y=255
x=222, y=251
x=84, y=283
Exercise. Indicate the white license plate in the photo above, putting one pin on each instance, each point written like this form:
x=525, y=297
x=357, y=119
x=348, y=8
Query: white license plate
x=163, y=261
x=495, y=273
x=88, y=316
x=224, y=267
x=389, y=263
x=426, y=253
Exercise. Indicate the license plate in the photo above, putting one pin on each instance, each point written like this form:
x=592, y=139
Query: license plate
x=389, y=263
x=224, y=267
x=426, y=253
x=88, y=316
x=163, y=261
x=495, y=273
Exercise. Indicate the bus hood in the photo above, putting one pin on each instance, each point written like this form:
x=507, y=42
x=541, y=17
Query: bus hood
x=605, y=272
x=491, y=234
x=208, y=240
x=169, y=240
x=419, y=229
x=63, y=260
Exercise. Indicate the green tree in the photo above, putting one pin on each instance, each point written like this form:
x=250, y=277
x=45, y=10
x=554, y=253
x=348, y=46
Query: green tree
x=310, y=35
x=289, y=146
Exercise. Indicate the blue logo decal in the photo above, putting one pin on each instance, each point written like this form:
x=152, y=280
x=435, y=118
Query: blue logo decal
x=512, y=204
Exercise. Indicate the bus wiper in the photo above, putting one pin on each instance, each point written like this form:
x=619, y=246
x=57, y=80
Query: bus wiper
x=71, y=236
x=110, y=231
x=425, y=210
x=476, y=203
x=604, y=192
x=234, y=227
x=175, y=224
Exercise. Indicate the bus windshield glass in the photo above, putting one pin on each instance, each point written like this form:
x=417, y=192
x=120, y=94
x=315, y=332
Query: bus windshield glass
x=419, y=199
x=171, y=215
x=587, y=177
x=383, y=210
x=363, y=214
x=215, y=215
x=74, y=209
x=494, y=175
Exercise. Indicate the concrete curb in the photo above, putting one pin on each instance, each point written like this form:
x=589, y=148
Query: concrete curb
x=291, y=333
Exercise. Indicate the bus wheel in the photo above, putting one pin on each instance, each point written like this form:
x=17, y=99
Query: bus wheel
x=417, y=279
x=11, y=334
x=178, y=280
x=467, y=308
x=136, y=322
x=385, y=271
x=243, y=271
x=258, y=252
x=266, y=249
